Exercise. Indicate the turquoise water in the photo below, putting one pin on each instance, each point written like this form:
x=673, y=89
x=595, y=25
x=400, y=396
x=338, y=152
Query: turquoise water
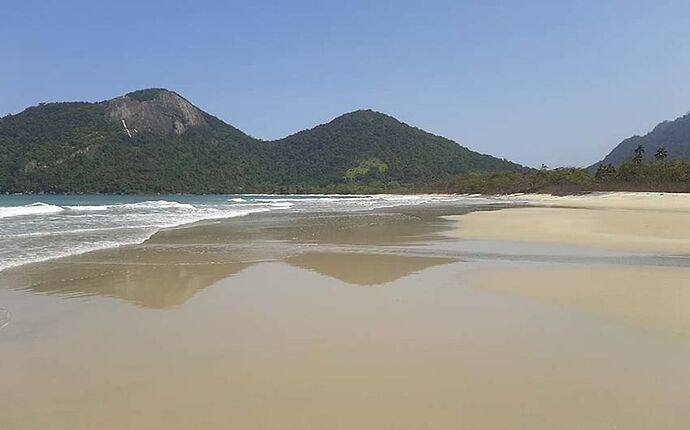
x=41, y=227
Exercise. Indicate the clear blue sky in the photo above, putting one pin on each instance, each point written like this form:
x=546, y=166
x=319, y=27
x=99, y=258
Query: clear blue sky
x=550, y=82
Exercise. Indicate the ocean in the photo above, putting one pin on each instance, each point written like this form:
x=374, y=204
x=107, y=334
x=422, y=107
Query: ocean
x=35, y=228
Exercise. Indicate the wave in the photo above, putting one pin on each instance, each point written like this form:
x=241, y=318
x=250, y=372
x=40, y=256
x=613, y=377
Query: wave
x=83, y=249
x=313, y=199
x=114, y=224
x=32, y=209
x=141, y=234
x=152, y=204
x=280, y=205
x=41, y=208
x=156, y=204
x=77, y=231
x=86, y=208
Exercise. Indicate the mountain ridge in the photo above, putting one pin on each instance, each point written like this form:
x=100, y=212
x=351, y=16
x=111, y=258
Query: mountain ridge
x=155, y=140
x=673, y=136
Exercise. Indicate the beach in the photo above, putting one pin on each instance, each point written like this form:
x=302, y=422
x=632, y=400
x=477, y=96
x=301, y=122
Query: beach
x=530, y=312
x=643, y=222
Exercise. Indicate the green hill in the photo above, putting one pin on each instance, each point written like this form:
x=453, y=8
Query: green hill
x=673, y=136
x=154, y=140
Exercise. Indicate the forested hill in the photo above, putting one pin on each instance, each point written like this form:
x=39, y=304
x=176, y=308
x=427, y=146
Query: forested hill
x=154, y=140
x=672, y=136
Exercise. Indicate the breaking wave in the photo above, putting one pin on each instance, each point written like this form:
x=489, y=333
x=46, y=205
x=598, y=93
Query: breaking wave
x=38, y=208
x=60, y=226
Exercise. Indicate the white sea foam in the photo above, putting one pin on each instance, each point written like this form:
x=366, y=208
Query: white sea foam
x=152, y=204
x=280, y=205
x=64, y=252
x=32, y=209
x=64, y=243
x=87, y=208
x=313, y=199
x=65, y=227
x=75, y=231
x=158, y=204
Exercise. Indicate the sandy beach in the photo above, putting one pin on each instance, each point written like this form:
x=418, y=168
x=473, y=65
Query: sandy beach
x=380, y=320
x=638, y=222
x=460, y=215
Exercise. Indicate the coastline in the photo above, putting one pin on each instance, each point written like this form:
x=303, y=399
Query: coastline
x=93, y=215
x=323, y=318
x=636, y=222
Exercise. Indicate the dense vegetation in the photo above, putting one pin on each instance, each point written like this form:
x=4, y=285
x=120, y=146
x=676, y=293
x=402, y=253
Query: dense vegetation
x=75, y=147
x=366, y=147
x=673, y=136
x=146, y=94
x=71, y=147
x=83, y=147
x=634, y=174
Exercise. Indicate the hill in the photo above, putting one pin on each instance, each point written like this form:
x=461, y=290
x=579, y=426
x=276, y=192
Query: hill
x=155, y=141
x=674, y=136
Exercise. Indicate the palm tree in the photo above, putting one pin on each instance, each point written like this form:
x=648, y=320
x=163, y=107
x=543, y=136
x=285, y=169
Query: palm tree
x=605, y=172
x=639, y=154
x=661, y=154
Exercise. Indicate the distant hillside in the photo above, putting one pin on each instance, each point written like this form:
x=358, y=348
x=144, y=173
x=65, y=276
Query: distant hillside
x=674, y=136
x=154, y=140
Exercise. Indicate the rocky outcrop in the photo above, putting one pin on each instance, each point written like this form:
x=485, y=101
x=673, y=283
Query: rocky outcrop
x=156, y=111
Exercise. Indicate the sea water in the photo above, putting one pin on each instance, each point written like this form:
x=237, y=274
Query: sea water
x=41, y=227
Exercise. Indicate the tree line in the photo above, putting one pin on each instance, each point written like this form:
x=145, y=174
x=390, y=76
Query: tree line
x=634, y=174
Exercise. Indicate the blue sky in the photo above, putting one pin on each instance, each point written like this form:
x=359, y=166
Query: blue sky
x=550, y=82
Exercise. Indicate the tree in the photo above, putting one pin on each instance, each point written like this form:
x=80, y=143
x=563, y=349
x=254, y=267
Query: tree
x=639, y=154
x=605, y=172
x=661, y=154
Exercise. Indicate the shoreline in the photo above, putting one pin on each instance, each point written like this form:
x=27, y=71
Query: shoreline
x=301, y=311
x=105, y=247
x=540, y=218
x=192, y=211
x=580, y=220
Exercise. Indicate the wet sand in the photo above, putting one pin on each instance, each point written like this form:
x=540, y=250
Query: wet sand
x=646, y=297
x=370, y=321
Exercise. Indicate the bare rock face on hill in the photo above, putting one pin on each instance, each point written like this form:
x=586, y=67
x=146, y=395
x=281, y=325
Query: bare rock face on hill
x=155, y=141
x=156, y=111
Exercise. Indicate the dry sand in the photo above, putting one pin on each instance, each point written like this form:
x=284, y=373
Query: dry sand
x=673, y=202
x=639, y=222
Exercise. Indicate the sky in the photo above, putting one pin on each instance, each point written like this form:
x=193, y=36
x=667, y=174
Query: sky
x=538, y=82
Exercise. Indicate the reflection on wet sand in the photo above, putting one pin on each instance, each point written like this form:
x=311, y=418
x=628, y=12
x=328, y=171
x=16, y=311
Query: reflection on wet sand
x=160, y=280
x=262, y=329
x=153, y=276
x=170, y=267
x=313, y=228
x=279, y=347
x=157, y=286
x=359, y=229
x=365, y=269
x=656, y=298
x=163, y=285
